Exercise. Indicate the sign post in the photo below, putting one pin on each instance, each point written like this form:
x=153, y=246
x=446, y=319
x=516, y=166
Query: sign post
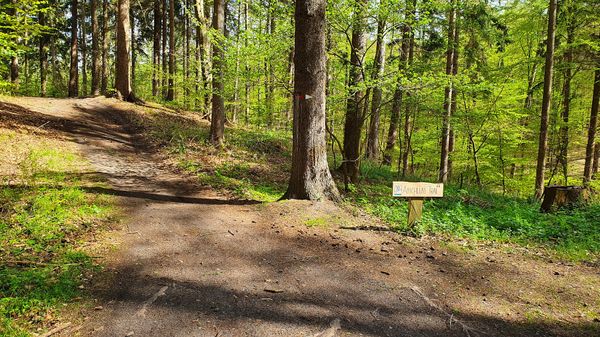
x=416, y=193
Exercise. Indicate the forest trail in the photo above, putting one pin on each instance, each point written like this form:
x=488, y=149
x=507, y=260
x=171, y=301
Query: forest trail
x=191, y=262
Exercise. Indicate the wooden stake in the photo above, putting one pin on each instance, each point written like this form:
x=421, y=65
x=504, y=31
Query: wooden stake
x=415, y=211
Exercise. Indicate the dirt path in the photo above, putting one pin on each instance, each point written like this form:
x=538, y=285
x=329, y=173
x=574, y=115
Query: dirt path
x=192, y=263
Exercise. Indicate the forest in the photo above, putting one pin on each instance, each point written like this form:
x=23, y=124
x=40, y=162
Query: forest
x=260, y=101
x=476, y=83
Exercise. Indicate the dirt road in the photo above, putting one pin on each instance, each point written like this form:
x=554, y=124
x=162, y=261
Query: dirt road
x=193, y=263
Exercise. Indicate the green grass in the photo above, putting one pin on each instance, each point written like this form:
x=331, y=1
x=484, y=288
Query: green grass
x=484, y=216
x=43, y=221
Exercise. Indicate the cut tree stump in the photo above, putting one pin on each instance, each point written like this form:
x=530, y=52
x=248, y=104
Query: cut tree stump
x=557, y=197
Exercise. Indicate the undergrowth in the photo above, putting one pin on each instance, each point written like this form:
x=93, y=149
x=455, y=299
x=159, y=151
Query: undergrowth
x=45, y=215
x=255, y=165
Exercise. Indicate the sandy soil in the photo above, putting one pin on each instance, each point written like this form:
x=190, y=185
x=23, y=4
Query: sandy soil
x=191, y=262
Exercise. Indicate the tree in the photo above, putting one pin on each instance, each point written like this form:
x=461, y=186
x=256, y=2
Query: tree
x=171, y=88
x=589, y=149
x=310, y=176
x=449, y=94
x=95, y=90
x=546, y=101
x=105, y=34
x=378, y=72
x=123, y=58
x=43, y=56
x=354, y=110
x=217, y=122
x=74, y=69
x=156, y=47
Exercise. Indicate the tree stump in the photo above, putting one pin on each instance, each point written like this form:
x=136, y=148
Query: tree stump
x=557, y=197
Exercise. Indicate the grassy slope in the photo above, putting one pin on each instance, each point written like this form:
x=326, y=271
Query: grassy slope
x=45, y=217
x=255, y=165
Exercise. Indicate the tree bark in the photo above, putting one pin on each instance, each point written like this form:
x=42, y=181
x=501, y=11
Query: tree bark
x=188, y=37
x=448, y=96
x=123, y=61
x=133, y=48
x=591, y=156
x=171, y=88
x=563, y=152
x=156, y=43
x=95, y=91
x=217, y=125
x=105, y=34
x=164, y=48
x=74, y=67
x=43, y=56
x=378, y=69
x=354, y=110
x=408, y=121
x=84, y=80
x=546, y=102
x=310, y=176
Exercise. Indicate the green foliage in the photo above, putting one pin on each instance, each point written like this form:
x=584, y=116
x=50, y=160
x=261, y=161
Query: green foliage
x=480, y=215
x=41, y=224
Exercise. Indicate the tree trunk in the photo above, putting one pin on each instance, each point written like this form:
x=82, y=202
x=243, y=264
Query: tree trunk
x=74, y=69
x=546, y=101
x=83, y=32
x=202, y=51
x=217, y=125
x=171, y=88
x=408, y=122
x=236, y=81
x=133, y=48
x=105, y=34
x=310, y=177
x=354, y=110
x=43, y=57
x=448, y=96
x=392, y=135
x=156, y=43
x=95, y=91
x=164, y=48
x=596, y=159
x=591, y=158
x=378, y=69
x=563, y=152
x=188, y=37
x=123, y=61
x=246, y=67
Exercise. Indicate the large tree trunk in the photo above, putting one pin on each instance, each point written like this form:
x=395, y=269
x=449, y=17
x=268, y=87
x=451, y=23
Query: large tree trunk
x=590, y=156
x=217, y=125
x=95, y=50
x=378, y=69
x=354, y=110
x=43, y=56
x=204, y=48
x=310, y=177
x=123, y=61
x=171, y=88
x=74, y=69
x=448, y=96
x=156, y=47
x=546, y=101
x=105, y=35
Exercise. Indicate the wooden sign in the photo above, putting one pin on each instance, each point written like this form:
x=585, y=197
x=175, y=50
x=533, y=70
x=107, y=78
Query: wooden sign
x=406, y=189
x=416, y=192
